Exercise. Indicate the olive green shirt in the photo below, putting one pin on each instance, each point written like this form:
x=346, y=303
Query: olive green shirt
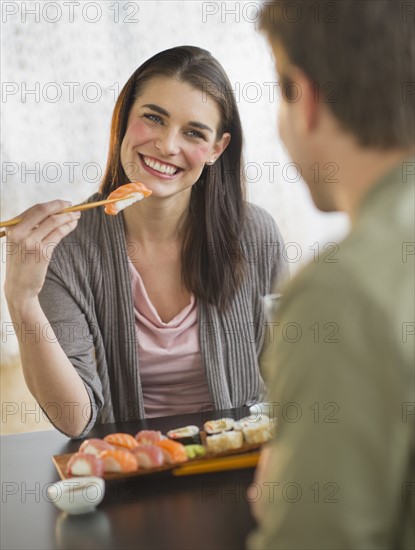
x=340, y=363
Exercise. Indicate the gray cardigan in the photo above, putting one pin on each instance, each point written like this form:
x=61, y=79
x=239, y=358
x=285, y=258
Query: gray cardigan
x=87, y=298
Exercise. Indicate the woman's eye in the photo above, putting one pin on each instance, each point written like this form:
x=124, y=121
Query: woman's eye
x=154, y=118
x=196, y=134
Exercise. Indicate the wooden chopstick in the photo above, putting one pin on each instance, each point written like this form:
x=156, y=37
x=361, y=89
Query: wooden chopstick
x=234, y=462
x=75, y=208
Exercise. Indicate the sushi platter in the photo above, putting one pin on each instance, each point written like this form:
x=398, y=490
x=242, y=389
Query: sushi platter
x=184, y=451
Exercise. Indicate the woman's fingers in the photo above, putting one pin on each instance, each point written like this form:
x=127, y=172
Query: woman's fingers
x=30, y=247
x=59, y=230
x=33, y=217
x=54, y=225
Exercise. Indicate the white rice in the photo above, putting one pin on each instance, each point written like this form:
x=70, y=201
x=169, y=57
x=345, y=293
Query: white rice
x=120, y=205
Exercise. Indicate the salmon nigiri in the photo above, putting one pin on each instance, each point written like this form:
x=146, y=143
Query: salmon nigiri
x=172, y=451
x=128, y=194
x=82, y=464
x=149, y=456
x=148, y=437
x=94, y=446
x=121, y=440
x=119, y=461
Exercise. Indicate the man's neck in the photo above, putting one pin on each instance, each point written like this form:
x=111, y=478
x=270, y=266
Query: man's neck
x=360, y=170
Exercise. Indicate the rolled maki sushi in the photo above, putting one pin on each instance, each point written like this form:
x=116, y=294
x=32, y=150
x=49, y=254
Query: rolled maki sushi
x=252, y=420
x=224, y=441
x=189, y=435
x=219, y=426
x=260, y=433
x=256, y=428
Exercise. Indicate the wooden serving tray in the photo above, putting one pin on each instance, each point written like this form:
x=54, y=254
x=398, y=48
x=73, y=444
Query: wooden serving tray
x=61, y=461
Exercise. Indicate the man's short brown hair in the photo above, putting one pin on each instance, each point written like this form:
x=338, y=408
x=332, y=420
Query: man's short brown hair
x=360, y=56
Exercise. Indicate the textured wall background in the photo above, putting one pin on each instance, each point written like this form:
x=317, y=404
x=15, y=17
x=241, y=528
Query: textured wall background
x=63, y=64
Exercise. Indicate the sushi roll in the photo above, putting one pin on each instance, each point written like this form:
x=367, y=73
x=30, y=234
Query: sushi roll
x=195, y=451
x=119, y=461
x=219, y=426
x=252, y=420
x=148, y=456
x=128, y=194
x=172, y=451
x=190, y=435
x=121, y=441
x=82, y=464
x=225, y=441
x=258, y=433
x=148, y=437
x=94, y=446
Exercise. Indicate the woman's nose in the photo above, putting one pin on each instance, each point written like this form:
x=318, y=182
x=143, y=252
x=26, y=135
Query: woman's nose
x=168, y=143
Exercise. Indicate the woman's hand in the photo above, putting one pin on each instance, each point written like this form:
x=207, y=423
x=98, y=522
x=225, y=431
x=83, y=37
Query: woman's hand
x=48, y=372
x=29, y=249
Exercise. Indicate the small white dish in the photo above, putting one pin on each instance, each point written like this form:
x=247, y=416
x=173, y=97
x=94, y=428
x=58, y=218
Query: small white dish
x=77, y=495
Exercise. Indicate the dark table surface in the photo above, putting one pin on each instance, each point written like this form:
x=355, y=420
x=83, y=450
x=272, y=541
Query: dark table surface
x=160, y=511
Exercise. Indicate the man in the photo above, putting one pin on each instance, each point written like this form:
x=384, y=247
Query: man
x=339, y=473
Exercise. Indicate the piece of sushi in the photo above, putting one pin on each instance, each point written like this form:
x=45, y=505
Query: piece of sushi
x=148, y=456
x=194, y=451
x=172, y=451
x=224, y=441
x=82, y=464
x=148, y=437
x=256, y=428
x=252, y=420
x=119, y=461
x=260, y=432
x=121, y=441
x=129, y=193
x=187, y=436
x=218, y=426
x=94, y=446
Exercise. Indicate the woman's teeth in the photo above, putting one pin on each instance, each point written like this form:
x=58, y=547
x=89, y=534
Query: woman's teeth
x=162, y=168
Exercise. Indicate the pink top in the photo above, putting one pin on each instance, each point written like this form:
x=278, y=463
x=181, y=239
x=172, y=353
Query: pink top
x=171, y=372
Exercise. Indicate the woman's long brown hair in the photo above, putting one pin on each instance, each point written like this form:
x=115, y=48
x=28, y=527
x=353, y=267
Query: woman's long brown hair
x=212, y=256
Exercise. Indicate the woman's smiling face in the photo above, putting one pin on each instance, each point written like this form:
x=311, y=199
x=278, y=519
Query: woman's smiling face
x=171, y=134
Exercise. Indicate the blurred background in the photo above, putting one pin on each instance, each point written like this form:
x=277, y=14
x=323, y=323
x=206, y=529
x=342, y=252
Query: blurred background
x=63, y=65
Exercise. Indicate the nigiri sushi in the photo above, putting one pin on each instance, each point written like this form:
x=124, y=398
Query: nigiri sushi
x=121, y=441
x=149, y=456
x=119, y=461
x=148, y=437
x=82, y=464
x=172, y=451
x=94, y=446
x=129, y=193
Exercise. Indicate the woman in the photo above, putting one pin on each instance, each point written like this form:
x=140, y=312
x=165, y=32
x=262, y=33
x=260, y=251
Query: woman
x=158, y=310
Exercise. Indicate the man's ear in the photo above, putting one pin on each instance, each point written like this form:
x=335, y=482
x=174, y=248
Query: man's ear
x=306, y=98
